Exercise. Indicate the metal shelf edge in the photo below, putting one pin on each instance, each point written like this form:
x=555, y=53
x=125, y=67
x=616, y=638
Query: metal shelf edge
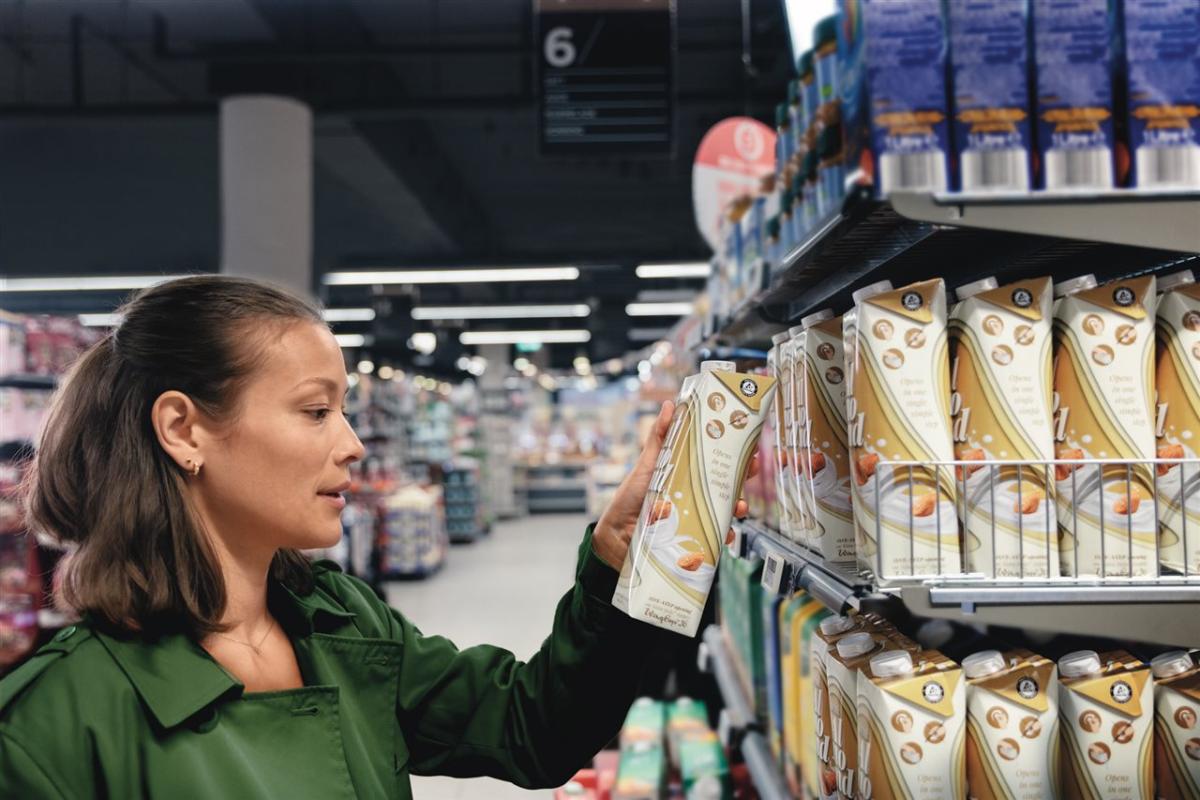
x=764, y=772
x=741, y=714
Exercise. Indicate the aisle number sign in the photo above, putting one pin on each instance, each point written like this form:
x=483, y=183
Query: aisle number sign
x=605, y=77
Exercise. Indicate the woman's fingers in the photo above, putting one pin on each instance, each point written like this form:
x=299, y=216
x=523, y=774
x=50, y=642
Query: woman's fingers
x=658, y=433
x=741, y=510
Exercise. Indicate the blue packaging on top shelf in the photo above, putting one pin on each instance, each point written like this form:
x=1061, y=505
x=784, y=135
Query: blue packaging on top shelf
x=1162, y=51
x=831, y=158
x=990, y=70
x=806, y=186
x=1075, y=52
x=892, y=75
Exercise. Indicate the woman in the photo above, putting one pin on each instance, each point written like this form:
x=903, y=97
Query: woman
x=190, y=455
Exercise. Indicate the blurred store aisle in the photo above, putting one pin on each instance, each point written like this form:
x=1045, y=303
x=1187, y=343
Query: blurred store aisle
x=501, y=590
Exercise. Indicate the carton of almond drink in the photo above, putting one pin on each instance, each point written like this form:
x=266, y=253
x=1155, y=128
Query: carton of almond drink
x=1000, y=383
x=1104, y=409
x=840, y=774
x=898, y=410
x=1106, y=712
x=911, y=727
x=1012, y=725
x=1177, y=420
x=824, y=640
x=779, y=364
x=676, y=545
x=1176, y=728
x=807, y=521
x=824, y=459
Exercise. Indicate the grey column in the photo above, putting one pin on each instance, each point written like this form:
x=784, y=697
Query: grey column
x=266, y=190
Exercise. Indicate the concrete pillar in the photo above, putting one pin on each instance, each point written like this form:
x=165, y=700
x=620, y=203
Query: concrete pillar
x=266, y=190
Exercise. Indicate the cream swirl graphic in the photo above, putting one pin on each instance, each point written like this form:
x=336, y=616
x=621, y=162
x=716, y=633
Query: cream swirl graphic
x=666, y=547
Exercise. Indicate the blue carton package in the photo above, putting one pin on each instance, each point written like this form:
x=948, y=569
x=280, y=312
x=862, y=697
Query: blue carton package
x=892, y=59
x=1162, y=52
x=990, y=72
x=1076, y=55
x=831, y=160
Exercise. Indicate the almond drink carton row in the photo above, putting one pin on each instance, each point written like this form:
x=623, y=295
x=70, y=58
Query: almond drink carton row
x=676, y=545
x=1106, y=703
x=1000, y=381
x=1012, y=725
x=911, y=727
x=898, y=410
x=824, y=640
x=779, y=366
x=1176, y=728
x=823, y=456
x=1103, y=409
x=1177, y=420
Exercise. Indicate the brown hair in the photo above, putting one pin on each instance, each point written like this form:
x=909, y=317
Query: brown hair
x=100, y=478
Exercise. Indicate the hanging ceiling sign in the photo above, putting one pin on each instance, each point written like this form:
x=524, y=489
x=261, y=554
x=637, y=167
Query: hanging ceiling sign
x=605, y=76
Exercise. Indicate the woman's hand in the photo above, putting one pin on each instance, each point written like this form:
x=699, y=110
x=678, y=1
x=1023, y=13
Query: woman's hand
x=614, y=531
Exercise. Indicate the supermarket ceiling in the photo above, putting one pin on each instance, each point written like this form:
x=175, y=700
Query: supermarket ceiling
x=426, y=138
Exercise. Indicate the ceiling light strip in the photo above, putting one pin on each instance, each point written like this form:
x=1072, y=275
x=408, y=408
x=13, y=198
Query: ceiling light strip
x=525, y=337
x=422, y=276
x=500, y=312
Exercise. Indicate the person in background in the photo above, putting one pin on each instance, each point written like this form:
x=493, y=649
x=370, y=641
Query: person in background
x=189, y=457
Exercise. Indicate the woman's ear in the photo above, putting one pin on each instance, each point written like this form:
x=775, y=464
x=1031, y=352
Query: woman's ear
x=175, y=417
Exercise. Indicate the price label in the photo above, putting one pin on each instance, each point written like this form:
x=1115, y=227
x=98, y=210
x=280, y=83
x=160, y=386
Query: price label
x=772, y=574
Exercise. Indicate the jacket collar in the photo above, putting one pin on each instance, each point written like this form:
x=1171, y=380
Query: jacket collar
x=176, y=678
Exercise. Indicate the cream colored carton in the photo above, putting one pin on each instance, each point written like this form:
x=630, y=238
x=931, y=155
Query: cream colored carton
x=1104, y=409
x=898, y=409
x=825, y=638
x=1106, y=713
x=842, y=666
x=1012, y=725
x=779, y=366
x=1176, y=727
x=1177, y=420
x=911, y=728
x=673, y=556
x=796, y=417
x=1000, y=383
x=824, y=460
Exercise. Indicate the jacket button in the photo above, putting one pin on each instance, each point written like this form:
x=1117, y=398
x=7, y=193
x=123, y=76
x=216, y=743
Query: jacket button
x=65, y=633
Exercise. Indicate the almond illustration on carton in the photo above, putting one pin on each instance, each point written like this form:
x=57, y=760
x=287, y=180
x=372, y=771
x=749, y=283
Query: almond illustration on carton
x=814, y=464
x=1029, y=501
x=924, y=504
x=1063, y=471
x=1168, y=451
x=690, y=562
x=660, y=511
x=968, y=470
x=1128, y=499
x=864, y=468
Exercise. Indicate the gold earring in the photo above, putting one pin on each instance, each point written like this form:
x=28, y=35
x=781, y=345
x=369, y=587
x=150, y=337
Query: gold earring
x=194, y=467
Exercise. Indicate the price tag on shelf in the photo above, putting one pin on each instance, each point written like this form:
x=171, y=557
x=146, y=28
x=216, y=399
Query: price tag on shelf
x=773, y=569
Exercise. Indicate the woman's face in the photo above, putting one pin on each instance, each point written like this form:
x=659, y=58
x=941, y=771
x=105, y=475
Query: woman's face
x=274, y=477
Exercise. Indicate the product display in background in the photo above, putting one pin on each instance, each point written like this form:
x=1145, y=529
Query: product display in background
x=685, y=519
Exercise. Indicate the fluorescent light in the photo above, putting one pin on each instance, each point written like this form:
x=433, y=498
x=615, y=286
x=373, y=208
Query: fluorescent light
x=659, y=309
x=500, y=312
x=348, y=314
x=350, y=339
x=695, y=269
x=84, y=284
x=515, y=337
x=100, y=320
x=415, y=276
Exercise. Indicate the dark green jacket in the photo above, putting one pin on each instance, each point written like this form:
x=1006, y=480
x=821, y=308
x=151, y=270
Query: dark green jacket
x=91, y=715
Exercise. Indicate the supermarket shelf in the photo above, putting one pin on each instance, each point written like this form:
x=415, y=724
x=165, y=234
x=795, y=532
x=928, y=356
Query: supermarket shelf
x=720, y=664
x=764, y=771
x=47, y=382
x=1165, y=220
x=913, y=237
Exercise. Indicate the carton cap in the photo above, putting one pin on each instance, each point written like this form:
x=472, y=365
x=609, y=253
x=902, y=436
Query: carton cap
x=985, y=662
x=870, y=290
x=1182, y=278
x=1073, y=285
x=1079, y=663
x=1173, y=663
x=717, y=366
x=780, y=338
x=815, y=317
x=574, y=789
x=891, y=664
x=795, y=330
x=975, y=287
x=856, y=644
x=834, y=625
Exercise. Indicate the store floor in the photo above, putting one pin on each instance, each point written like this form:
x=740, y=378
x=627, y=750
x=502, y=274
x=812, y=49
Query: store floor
x=501, y=590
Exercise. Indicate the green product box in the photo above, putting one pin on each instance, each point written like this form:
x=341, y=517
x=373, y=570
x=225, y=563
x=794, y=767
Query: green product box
x=644, y=723
x=741, y=607
x=642, y=773
x=703, y=767
x=685, y=717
